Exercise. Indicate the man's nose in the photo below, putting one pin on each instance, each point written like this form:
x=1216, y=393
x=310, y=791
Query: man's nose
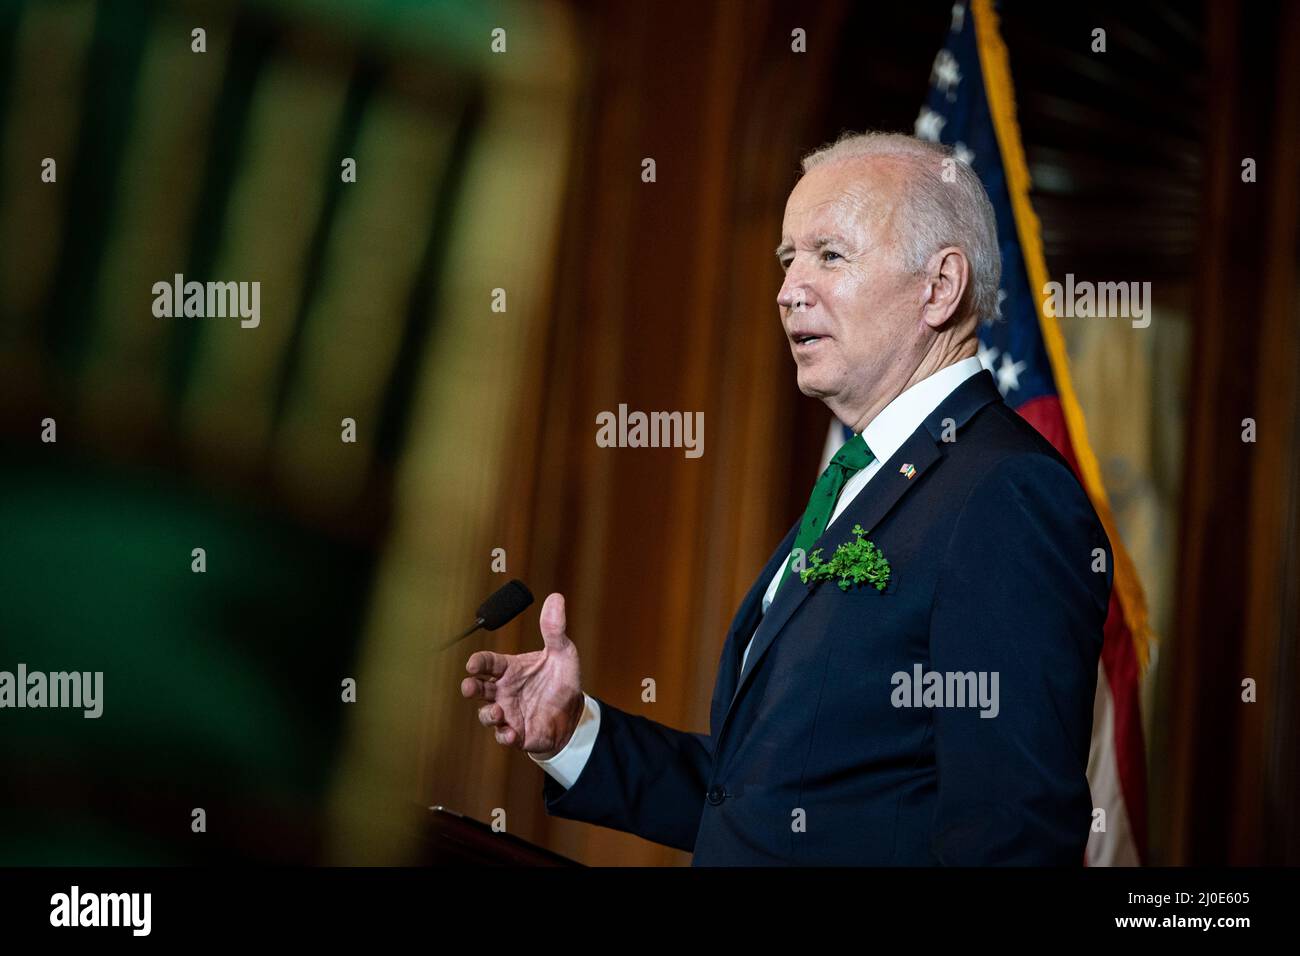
x=794, y=295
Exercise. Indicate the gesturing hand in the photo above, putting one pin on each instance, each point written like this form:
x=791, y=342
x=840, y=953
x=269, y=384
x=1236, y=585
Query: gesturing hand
x=534, y=699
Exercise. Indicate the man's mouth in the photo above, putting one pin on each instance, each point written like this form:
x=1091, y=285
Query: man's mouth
x=806, y=338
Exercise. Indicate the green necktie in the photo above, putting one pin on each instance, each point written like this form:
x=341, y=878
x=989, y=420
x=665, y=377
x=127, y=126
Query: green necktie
x=850, y=459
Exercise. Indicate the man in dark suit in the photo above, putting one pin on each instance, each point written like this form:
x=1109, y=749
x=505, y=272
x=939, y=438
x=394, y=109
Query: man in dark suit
x=934, y=711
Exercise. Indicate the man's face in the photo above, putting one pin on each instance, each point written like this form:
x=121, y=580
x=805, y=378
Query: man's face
x=845, y=286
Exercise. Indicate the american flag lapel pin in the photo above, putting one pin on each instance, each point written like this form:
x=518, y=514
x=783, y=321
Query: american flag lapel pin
x=907, y=469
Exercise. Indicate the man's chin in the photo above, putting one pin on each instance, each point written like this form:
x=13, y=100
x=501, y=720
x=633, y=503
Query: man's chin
x=811, y=385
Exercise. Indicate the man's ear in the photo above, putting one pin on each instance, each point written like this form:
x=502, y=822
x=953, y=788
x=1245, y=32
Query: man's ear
x=947, y=277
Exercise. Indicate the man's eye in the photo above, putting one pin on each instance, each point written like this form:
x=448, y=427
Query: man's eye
x=827, y=252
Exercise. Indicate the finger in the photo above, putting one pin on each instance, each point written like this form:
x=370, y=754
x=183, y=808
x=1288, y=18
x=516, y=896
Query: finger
x=506, y=736
x=486, y=664
x=491, y=715
x=553, y=621
x=482, y=689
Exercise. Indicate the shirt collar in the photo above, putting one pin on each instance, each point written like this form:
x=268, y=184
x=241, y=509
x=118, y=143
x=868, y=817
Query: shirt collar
x=886, y=432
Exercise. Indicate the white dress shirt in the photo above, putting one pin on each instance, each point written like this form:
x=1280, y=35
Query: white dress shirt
x=884, y=435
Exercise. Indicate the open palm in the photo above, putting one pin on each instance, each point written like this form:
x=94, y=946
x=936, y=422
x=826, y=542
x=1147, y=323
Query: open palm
x=534, y=700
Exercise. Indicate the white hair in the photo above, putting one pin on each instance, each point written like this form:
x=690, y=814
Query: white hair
x=945, y=205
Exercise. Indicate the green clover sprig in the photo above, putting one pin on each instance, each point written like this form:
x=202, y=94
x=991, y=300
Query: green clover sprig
x=854, y=562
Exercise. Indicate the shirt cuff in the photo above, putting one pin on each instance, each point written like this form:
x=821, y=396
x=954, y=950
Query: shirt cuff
x=566, y=765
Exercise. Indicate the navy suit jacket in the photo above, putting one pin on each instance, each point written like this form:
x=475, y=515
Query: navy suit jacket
x=808, y=760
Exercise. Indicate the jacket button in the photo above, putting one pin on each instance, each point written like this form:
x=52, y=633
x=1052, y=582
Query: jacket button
x=716, y=795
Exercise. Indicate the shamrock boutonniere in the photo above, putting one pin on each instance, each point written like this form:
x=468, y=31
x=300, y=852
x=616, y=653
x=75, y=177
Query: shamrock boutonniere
x=854, y=562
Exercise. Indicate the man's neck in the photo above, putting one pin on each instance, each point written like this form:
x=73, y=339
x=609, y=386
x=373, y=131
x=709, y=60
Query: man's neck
x=931, y=363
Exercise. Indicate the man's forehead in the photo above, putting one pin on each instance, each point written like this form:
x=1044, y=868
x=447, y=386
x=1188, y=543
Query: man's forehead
x=843, y=198
x=844, y=206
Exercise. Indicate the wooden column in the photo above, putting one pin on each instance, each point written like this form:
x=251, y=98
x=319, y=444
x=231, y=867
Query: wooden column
x=1232, y=764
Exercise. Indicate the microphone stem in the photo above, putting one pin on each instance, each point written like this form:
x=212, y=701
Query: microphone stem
x=474, y=627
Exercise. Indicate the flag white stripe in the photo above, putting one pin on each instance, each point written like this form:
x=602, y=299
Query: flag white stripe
x=1114, y=847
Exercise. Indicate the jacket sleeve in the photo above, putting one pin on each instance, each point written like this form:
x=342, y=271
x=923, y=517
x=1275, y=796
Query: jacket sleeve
x=1021, y=597
x=642, y=777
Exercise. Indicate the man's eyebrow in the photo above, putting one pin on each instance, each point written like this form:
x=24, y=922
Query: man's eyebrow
x=818, y=243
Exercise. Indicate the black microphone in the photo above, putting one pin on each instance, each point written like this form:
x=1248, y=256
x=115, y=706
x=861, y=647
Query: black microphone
x=502, y=606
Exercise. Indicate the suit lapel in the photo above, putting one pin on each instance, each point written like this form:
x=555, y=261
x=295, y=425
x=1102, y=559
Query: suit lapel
x=747, y=619
x=882, y=493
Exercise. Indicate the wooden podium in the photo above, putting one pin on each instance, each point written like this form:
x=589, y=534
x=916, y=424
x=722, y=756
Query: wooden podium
x=452, y=839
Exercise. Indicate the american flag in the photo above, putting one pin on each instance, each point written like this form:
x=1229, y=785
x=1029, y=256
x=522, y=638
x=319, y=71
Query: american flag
x=971, y=107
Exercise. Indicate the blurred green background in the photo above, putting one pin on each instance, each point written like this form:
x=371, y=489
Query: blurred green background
x=222, y=689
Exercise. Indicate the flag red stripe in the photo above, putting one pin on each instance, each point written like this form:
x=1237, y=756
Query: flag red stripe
x=1120, y=662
